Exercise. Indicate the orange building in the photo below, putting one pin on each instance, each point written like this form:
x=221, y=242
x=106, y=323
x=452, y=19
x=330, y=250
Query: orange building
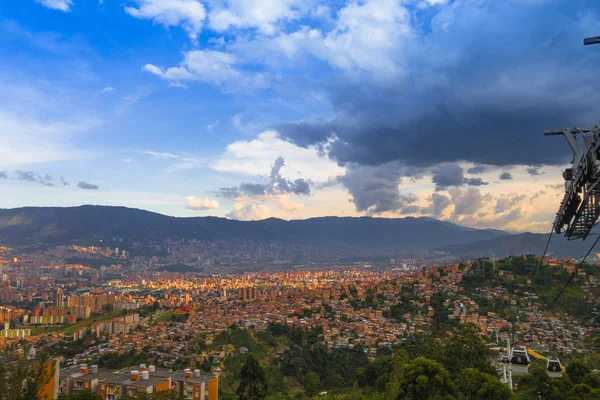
x=142, y=382
x=192, y=385
x=50, y=390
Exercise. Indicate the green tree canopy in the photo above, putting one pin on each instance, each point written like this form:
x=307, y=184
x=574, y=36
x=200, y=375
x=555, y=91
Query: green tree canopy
x=466, y=350
x=425, y=379
x=476, y=385
x=253, y=383
x=592, y=380
x=311, y=384
x=576, y=370
x=82, y=395
x=583, y=392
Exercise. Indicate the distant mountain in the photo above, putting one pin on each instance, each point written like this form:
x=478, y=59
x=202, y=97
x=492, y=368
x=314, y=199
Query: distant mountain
x=52, y=225
x=365, y=235
x=523, y=243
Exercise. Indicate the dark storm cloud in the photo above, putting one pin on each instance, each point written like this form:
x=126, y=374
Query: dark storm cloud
x=448, y=175
x=277, y=185
x=301, y=187
x=228, y=193
x=30, y=176
x=506, y=176
x=475, y=182
x=375, y=189
x=473, y=89
x=26, y=176
x=437, y=206
x=535, y=171
x=410, y=210
x=87, y=186
x=255, y=189
x=478, y=169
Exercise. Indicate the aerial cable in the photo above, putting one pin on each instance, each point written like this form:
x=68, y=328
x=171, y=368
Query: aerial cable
x=535, y=277
x=541, y=259
x=564, y=287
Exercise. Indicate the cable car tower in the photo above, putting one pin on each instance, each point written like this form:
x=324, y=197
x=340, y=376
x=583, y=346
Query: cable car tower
x=580, y=207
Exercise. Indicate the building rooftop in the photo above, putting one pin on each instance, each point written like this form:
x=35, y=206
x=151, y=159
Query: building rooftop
x=180, y=376
x=152, y=380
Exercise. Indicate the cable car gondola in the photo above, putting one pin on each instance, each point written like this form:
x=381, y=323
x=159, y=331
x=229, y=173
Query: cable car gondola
x=520, y=361
x=554, y=367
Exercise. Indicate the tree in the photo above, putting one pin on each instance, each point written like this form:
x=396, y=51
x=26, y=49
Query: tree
x=592, y=380
x=493, y=389
x=467, y=350
x=81, y=395
x=583, y=392
x=23, y=377
x=163, y=395
x=576, y=370
x=538, y=383
x=399, y=360
x=476, y=385
x=425, y=379
x=108, y=308
x=253, y=383
x=311, y=384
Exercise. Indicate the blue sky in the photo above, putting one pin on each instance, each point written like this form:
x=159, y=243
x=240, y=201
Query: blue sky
x=257, y=108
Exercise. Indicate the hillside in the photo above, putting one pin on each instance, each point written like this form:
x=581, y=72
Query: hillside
x=50, y=225
x=524, y=243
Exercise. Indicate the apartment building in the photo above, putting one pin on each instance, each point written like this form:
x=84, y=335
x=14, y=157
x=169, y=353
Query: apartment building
x=195, y=386
x=111, y=385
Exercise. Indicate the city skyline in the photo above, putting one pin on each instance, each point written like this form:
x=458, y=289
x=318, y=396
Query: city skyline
x=300, y=109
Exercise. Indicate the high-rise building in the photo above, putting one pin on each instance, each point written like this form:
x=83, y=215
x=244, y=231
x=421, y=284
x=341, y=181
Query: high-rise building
x=59, y=298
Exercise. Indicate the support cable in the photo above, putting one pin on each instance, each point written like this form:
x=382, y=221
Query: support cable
x=564, y=287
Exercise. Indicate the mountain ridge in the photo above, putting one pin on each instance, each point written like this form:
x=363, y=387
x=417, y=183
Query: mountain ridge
x=55, y=224
x=368, y=235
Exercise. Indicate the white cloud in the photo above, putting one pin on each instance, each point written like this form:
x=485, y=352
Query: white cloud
x=175, y=74
x=286, y=204
x=160, y=154
x=211, y=66
x=189, y=14
x=60, y=5
x=181, y=162
x=255, y=157
x=260, y=14
x=249, y=212
x=431, y=3
x=108, y=89
x=30, y=141
x=367, y=37
x=199, y=65
x=200, y=204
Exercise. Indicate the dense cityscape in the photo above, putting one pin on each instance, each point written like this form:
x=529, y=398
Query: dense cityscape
x=99, y=317
x=299, y=200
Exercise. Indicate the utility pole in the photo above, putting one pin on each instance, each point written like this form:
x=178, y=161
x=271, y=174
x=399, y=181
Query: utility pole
x=510, y=382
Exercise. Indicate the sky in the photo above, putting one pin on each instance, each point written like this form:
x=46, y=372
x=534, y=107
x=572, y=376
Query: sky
x=250, y=109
